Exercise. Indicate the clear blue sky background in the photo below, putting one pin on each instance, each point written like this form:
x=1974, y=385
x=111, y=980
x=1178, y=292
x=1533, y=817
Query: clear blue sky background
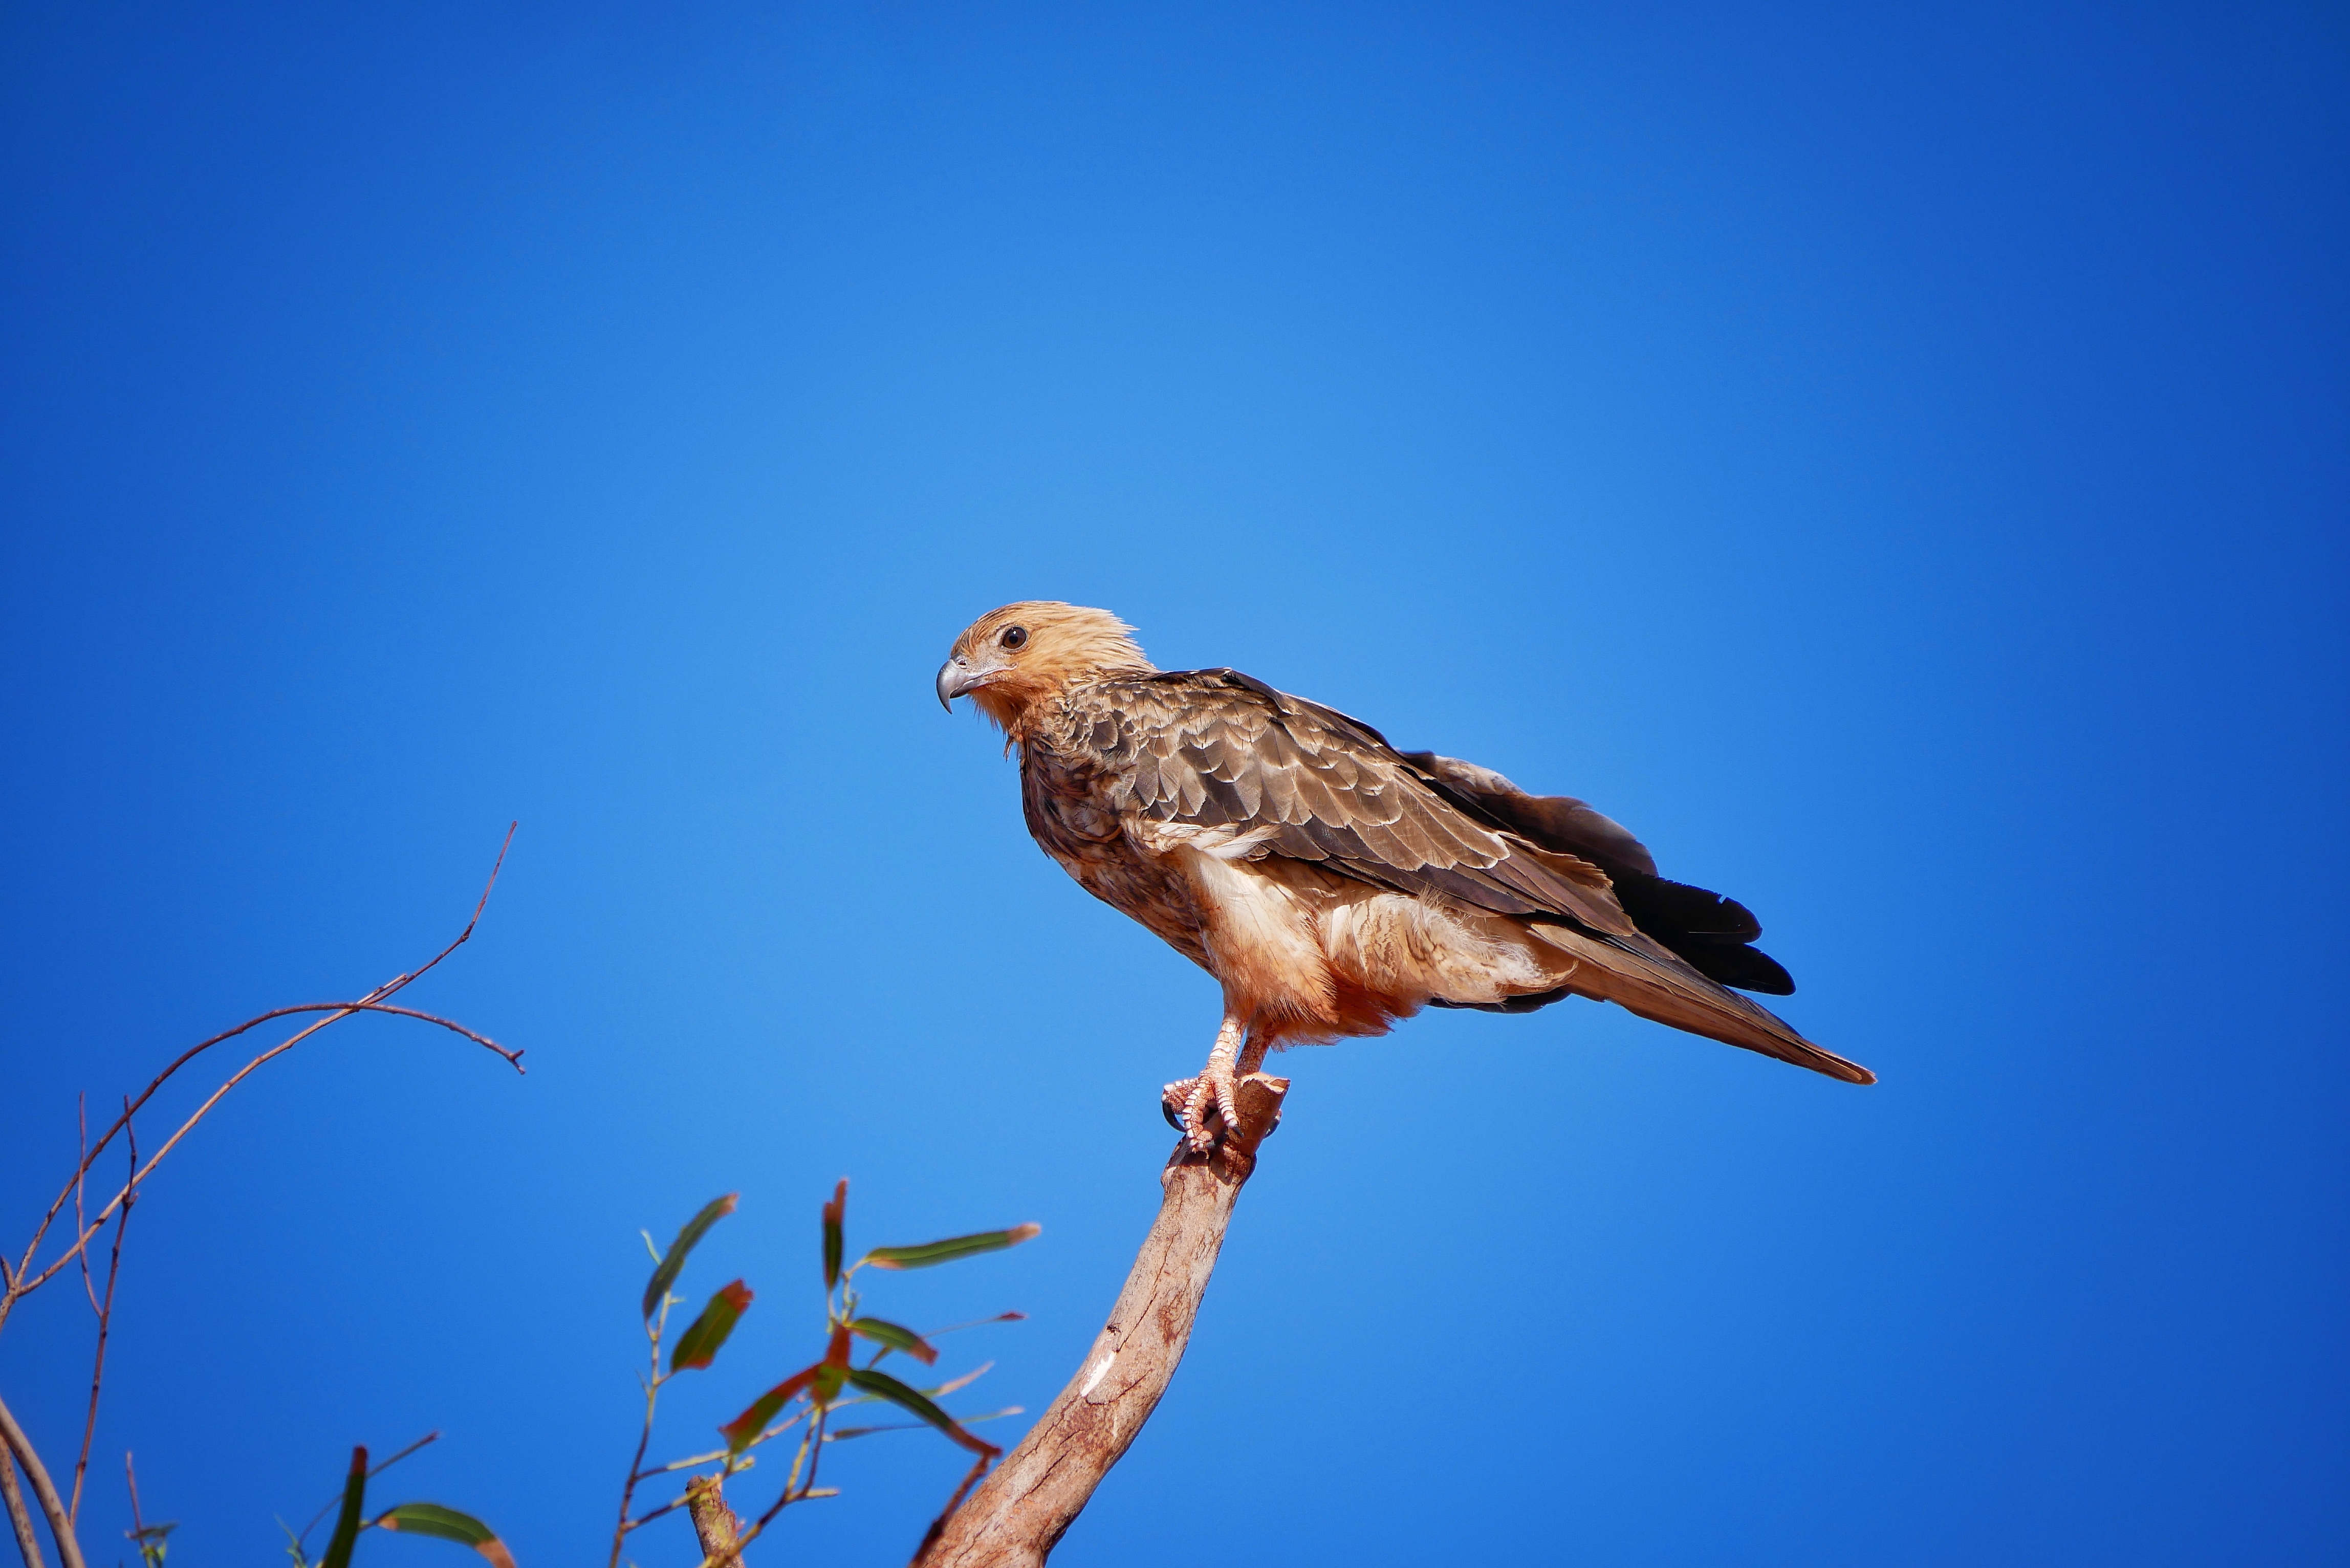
x=1893, y=458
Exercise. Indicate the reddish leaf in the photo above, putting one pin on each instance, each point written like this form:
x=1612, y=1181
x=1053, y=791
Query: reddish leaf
x=431, y=1519
x=347, y=1526
x=883, y=1386
x=953, y=1247
x=744, y=1429
x=834, y=1213
x=882, y=1331
x=665, y=1275
x=698, y=1346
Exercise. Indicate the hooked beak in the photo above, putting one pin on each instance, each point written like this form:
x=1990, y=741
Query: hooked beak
x=959, y=675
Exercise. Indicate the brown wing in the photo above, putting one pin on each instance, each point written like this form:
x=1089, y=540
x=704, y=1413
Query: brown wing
x=1215, y=748
x=1713, y=933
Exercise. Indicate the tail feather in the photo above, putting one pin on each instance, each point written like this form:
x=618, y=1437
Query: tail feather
x=1645, y=977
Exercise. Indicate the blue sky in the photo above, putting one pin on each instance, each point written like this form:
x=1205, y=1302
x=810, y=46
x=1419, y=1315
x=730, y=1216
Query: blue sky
x=1892, y=458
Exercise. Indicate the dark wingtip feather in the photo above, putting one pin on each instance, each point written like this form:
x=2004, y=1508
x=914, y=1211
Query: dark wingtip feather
x=1743, y=968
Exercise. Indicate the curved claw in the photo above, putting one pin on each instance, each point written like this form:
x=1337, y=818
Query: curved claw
x=1185, y=1104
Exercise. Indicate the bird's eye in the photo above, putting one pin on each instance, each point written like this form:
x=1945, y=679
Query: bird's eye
x=1014, y=636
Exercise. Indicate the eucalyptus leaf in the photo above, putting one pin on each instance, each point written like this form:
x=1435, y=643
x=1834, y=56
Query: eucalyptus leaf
x=347, y=1523
x=698, y=1346
x=914, y=1401
x=744, y=1429
x=933, y=1252
x=835, y=1213
x=665, y=1275
x=882, y=1331
x=447, y=1524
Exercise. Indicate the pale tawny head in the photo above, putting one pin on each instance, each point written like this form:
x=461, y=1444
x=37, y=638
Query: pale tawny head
x=1009, y=659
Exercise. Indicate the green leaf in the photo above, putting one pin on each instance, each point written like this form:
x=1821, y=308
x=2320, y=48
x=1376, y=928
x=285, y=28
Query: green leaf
x=883, y=1385
x=843, y=1434
x=743, y=1429
x=881, y=1332
x=946, y=1252
x=152, y=1542
x=346, y=1524
x=448, y=1524
x=834, y=1212
x=665, y=1275
x=698, y=1346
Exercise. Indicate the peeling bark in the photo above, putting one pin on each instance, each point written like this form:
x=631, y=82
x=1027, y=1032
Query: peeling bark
x=1022, y=1511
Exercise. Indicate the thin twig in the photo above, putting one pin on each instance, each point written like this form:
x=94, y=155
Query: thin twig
x=427, y=1437
x=939, y=1525
x=105, y=1324
x=336, y=1501
x=14, y=1279
x=337, y=1012
x=81, y=1142
x=816, y=1453
x=671, y=1506
x=20, y=1280
x=977, y=1322
x=637, y=1471
x=777, y=1431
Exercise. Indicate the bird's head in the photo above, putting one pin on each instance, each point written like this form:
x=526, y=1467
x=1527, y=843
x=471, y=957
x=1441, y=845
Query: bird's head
x=1009, y=660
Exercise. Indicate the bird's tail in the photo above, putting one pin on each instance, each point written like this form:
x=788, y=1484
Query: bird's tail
x=1644, y=977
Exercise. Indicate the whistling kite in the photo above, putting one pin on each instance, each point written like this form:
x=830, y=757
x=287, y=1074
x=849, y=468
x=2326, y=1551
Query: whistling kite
x=1331, y=883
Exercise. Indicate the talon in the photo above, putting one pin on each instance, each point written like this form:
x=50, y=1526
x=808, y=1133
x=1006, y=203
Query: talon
x=1195, y=1114
x=1186, y=1102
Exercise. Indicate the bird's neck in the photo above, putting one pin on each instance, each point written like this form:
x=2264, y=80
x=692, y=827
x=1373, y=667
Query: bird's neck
x=1015, y=704
x=1020, y=703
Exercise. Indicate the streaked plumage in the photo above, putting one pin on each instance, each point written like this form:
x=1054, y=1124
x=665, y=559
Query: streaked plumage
x=1331, y=883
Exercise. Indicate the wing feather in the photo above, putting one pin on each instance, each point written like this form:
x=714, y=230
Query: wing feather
x=1213, y=757
x=1213, y=748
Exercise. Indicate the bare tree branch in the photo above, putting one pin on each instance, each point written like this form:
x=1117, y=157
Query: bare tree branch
x=105, y=1322
x=28, y=1545
x=81, y=1143
x=1020, y=1514
x=53, y=1508
x=20, y=1280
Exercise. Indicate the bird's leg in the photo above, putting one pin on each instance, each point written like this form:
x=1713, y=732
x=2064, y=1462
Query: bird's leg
x=1251, y=1054
x=1217, y=1083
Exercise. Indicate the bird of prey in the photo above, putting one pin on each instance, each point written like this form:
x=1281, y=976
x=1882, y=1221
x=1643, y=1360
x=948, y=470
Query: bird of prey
x=1331, y=883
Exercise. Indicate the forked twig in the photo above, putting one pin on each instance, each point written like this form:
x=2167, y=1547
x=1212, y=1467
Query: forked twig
x=105, y=1322
x=20, y=1280
x=334, y=1502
